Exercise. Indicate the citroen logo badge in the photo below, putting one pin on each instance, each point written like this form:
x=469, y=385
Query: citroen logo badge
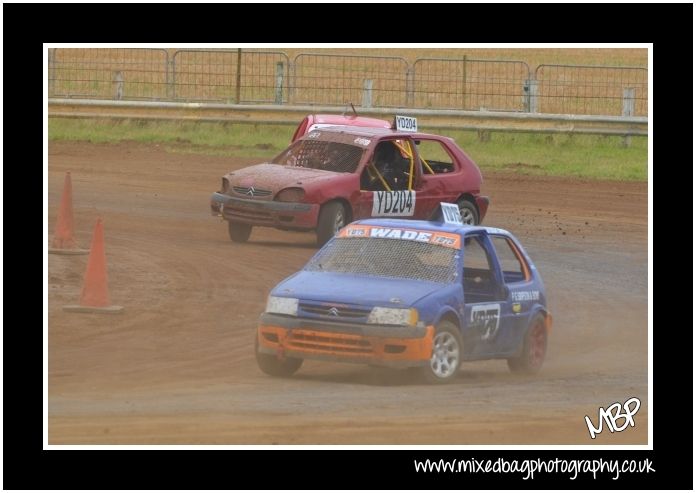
x=250, y=191
x=333, y=311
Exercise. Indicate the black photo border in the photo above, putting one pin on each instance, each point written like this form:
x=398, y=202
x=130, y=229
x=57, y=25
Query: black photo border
x=25, y=31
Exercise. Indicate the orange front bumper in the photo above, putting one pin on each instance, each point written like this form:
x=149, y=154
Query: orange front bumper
x=344, y=347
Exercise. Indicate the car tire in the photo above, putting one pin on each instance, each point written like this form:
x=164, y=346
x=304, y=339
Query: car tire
x=332, y=218
x=446, y=356
x=273, y=366
x=239, y=232
x=468, y=212
x=533, y=349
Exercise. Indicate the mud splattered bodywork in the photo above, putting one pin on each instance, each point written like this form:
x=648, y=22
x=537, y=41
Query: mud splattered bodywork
x=335, y=175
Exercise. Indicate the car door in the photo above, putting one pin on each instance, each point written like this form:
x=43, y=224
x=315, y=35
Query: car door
x=523, y=293
x=381, y=197
x=438, y=172
x=488, y=317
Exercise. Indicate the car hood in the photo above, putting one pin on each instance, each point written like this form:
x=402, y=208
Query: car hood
x=334, y=287
x=275, y=177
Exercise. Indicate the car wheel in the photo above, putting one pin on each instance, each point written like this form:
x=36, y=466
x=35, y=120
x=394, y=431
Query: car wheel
x=468, y=212
x=332, y=218
x=239, y=232
x=446, y=356
x=273, y=366
x=533, y=349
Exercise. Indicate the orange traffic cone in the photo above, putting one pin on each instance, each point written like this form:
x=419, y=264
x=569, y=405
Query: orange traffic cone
x=64, y=237
x=95, y=291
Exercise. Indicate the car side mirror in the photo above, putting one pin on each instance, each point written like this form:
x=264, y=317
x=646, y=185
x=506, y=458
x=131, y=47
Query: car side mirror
x=505, y=291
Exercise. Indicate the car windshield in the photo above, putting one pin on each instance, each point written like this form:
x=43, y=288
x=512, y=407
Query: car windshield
x=384, y=257
x=321, y=154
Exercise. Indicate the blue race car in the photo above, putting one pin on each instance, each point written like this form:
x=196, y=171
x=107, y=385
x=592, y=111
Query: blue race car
x=407, y=293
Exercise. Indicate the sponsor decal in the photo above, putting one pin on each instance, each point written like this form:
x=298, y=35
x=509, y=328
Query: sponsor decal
x=401, y=234
x=362, y=141
x=355, y=231
x=313, y=135
x=399, y=203
x=525, y=295
x=321, y=125
x=449, y=240
x=485, y=318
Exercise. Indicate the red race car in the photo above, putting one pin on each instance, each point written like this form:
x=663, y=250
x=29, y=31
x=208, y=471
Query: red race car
x=337, y=174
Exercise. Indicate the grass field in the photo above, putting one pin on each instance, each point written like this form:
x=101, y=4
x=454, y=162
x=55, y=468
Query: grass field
x=585, y=156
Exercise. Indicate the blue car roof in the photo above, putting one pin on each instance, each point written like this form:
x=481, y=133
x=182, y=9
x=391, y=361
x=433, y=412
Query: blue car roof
x=429, y=226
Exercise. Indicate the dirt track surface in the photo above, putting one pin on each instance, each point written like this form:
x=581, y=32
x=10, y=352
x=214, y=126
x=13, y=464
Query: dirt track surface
x=177, y=367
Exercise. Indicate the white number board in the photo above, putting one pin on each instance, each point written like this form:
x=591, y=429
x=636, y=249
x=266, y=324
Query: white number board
x=406, y=123
x=399, y=203
x=486, y=318
x=450, y=213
